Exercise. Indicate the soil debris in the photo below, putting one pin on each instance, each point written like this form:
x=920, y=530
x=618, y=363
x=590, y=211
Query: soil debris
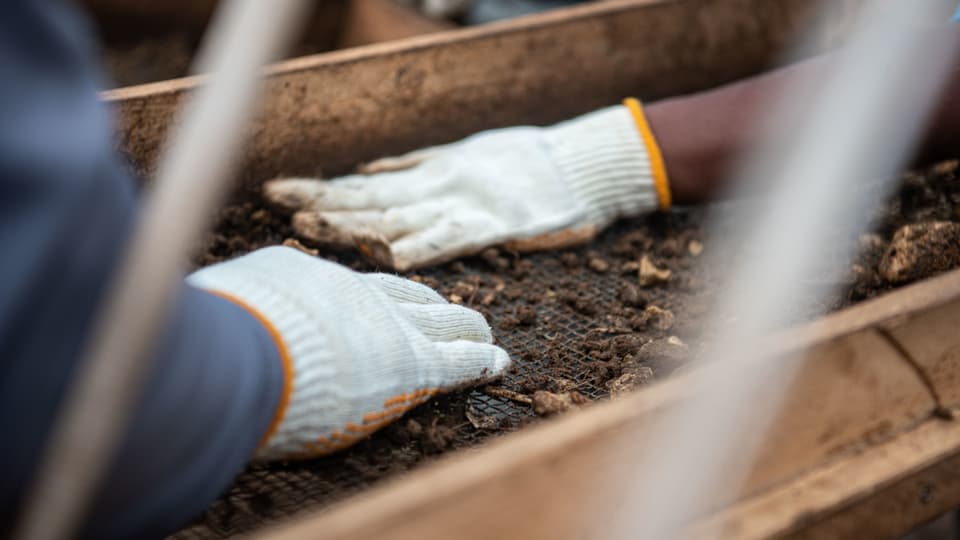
x=569, y=259
x=597, y=334
x=659, y=318
x=497, y=391
x=631, y=295
x=521, y=268
x=437, y=437
x=481, y=421
x=630, y=381
x=664, y=355
x=651, y=274
x=598, y=264
x=295, y=244
x=496, y=261
x=695, y=248
x=526, y=315
x=921, y=250
x=549, y=403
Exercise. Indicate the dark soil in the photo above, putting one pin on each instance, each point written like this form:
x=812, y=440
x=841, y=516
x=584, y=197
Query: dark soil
x=577, y=323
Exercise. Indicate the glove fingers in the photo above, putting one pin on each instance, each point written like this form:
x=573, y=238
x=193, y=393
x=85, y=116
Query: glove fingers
x=398, y=163
x=353, y=192
x=448, y=322
x=405, y=291
x=310, y=225
x=390, y=225
x=442, y=242
x=464, y=362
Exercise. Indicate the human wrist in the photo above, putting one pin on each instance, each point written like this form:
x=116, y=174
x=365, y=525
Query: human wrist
x=691, y=157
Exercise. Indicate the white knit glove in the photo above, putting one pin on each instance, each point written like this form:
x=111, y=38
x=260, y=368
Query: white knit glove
x=359, y=350
x=530, y=188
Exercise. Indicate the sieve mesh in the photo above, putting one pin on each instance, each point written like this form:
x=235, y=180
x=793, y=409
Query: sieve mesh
x=577, y=309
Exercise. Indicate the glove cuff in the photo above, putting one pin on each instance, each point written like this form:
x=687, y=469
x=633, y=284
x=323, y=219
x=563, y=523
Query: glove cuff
x=273, y=284
x=611, y=161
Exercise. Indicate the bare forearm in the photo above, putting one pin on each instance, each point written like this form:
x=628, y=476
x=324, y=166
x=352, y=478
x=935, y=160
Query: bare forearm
x=702, y=135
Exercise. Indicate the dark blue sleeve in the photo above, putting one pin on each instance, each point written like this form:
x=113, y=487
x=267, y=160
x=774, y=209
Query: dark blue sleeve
x=66, y=208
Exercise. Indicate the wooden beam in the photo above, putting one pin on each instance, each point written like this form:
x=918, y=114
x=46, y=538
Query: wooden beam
x=883, y=491
x=326, y=113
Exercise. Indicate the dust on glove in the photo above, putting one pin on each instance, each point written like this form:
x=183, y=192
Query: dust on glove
x=526, y=187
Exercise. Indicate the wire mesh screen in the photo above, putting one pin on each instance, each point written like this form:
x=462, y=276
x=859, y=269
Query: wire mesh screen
x=570, y=320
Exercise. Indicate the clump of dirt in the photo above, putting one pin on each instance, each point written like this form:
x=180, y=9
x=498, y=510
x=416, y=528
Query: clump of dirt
x=581, y=322
x=663, y=356
x=630, y=381
x=921, y=249
x=651, y=274
x=549, y=403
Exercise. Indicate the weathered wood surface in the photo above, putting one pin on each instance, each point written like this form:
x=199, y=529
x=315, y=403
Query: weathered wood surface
x=326, y=113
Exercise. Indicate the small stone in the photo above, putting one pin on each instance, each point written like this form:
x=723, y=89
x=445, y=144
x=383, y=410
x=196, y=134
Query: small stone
x=626, y=344
x=437, y=438
x=512, y=293
x=629, y=381
x=295, y=244
x=260, y=216
x=508, y=322
x=650, y=274
x=414, y=427
x=492, y=257
x=598, y=265
x=464, y=289
x=570, y=260
x=526, y=315
x=946, y=167
x=457, y=267
x=695, y=248
x=661, y=319
x=669, y=247
x=920, y=250
x=522, y=268
x=548, y=403
x=630, y=295
x=664, y=355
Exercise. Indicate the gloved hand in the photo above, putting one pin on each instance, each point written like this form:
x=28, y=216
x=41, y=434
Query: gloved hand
x=358, y=350
x=529, y=188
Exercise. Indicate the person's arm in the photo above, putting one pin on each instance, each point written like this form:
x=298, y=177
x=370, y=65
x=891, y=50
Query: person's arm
x=274, y=355
x=702, y=135
x=66, y=208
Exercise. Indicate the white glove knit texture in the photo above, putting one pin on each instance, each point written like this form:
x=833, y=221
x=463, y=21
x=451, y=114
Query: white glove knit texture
x=364, y=348
x=605, y=162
